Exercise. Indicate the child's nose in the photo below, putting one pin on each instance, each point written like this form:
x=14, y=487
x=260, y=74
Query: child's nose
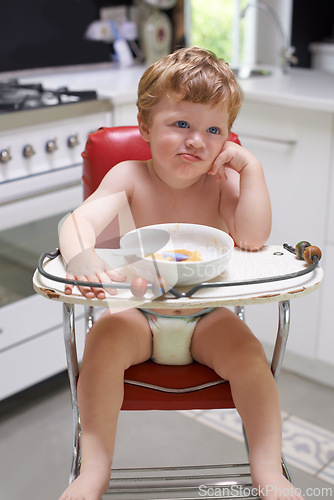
x=195, y=140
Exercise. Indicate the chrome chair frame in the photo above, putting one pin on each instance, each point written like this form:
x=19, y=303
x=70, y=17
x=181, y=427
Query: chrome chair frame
x=153, y=484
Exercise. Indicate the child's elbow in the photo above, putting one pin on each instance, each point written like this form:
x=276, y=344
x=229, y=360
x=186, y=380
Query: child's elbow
x=250, y=247
x=252, y=243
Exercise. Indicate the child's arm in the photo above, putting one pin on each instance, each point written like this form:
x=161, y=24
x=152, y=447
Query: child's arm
x=79, y=232
x=245, y=204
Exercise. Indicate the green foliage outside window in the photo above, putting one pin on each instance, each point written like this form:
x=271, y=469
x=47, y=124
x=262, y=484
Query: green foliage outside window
x=212, y=26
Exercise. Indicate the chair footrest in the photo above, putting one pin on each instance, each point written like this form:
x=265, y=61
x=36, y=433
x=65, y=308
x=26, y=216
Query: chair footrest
x=183, y=483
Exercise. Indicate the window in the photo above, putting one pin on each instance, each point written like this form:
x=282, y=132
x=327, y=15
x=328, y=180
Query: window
x=215, y=25
x=254, y=39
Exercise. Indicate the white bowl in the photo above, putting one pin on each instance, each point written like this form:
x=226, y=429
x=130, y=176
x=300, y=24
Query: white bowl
x=214, y=247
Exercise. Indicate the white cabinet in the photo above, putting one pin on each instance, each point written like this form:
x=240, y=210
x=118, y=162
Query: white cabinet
x=31, y=331
x=294, y=146
x=325, y=344
x=124, y=114
x=330, y=230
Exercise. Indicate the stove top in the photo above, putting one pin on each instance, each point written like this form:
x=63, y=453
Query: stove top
x=15, y=96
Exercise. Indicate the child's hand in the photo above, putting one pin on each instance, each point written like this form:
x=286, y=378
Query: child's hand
x=88, y=266
x=232, y=156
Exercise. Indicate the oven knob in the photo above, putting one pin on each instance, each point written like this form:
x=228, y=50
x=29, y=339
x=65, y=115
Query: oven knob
x=51, y=146
x=5, y=156
x=73, y=141
x=28, y=151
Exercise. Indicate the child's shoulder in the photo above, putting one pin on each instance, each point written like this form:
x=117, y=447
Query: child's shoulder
x=124, y=175
x=129, y=167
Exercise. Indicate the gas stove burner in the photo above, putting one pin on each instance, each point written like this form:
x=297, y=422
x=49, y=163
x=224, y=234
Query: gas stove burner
x=15, y=96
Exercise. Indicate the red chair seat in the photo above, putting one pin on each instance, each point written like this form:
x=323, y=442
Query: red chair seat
x=175, y=377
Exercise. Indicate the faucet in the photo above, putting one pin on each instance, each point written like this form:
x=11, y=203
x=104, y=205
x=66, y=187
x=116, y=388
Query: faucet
x=287, y=56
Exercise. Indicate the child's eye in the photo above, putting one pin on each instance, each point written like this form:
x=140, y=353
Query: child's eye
x=213, y=130
x=182, y=124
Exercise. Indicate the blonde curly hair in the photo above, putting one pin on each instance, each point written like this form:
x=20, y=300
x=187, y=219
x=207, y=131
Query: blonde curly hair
x=190, y=74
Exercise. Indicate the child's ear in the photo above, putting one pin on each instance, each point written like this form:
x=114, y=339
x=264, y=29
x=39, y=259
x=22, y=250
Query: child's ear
x=143, y=129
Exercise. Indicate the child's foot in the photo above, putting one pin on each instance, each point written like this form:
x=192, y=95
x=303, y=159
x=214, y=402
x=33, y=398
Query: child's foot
x=91, y=484
x=272, y=485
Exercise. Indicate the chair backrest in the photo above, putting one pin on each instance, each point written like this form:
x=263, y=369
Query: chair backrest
x=109, y=146
x=105, y=148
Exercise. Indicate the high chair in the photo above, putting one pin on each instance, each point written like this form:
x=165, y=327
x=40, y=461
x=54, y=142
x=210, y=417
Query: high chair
x=149, y=386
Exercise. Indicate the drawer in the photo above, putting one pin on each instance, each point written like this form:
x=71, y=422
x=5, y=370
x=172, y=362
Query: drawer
x=26, y=318
x=267, y=122
x=281, y=124
x=33, y=361
x=30, y=318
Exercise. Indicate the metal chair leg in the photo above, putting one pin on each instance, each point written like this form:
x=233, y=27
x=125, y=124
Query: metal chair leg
x=282, y=337
x=277, y=358
x=73, y=374
x=285, y=470
x=89, y=318
x=240, y=311
x=278, y=355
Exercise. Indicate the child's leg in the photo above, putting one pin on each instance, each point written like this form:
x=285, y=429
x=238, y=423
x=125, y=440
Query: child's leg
x=115, y=342
x=226, y=344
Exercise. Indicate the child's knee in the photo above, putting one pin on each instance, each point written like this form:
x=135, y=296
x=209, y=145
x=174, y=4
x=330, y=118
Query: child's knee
x=121, y=337
x=251, y=353
x=255, y=348
x=243, y=356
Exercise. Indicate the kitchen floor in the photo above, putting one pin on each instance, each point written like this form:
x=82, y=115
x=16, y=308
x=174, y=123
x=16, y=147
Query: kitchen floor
x=35, y=438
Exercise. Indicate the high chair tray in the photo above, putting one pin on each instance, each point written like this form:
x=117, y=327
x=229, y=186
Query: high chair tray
x=268, y=262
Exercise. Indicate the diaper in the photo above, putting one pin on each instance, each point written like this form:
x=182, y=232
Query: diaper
x=172, y=336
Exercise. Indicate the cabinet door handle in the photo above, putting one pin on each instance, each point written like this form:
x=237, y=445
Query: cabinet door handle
x=262, y=138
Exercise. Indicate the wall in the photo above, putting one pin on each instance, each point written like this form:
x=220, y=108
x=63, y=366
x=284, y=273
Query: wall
x=312, y=22
x=268, y=38
x=47, y=33
x=304, y=21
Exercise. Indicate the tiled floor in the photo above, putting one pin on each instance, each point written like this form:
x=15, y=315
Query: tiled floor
x=306, y=446
x=35, y=439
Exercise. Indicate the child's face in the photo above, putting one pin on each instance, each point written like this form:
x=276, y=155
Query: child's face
x=185, y=139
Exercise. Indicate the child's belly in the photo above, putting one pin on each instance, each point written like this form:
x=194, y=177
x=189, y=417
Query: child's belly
x=177, y=312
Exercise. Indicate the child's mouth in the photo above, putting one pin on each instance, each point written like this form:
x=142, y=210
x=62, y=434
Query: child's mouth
x=190, y=157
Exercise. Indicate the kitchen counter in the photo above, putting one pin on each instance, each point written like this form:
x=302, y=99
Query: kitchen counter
x=117, y=84
x=33, y=117
x=300, y=88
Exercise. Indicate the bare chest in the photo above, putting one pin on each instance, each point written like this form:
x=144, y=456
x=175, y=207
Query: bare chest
x=151, y=205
